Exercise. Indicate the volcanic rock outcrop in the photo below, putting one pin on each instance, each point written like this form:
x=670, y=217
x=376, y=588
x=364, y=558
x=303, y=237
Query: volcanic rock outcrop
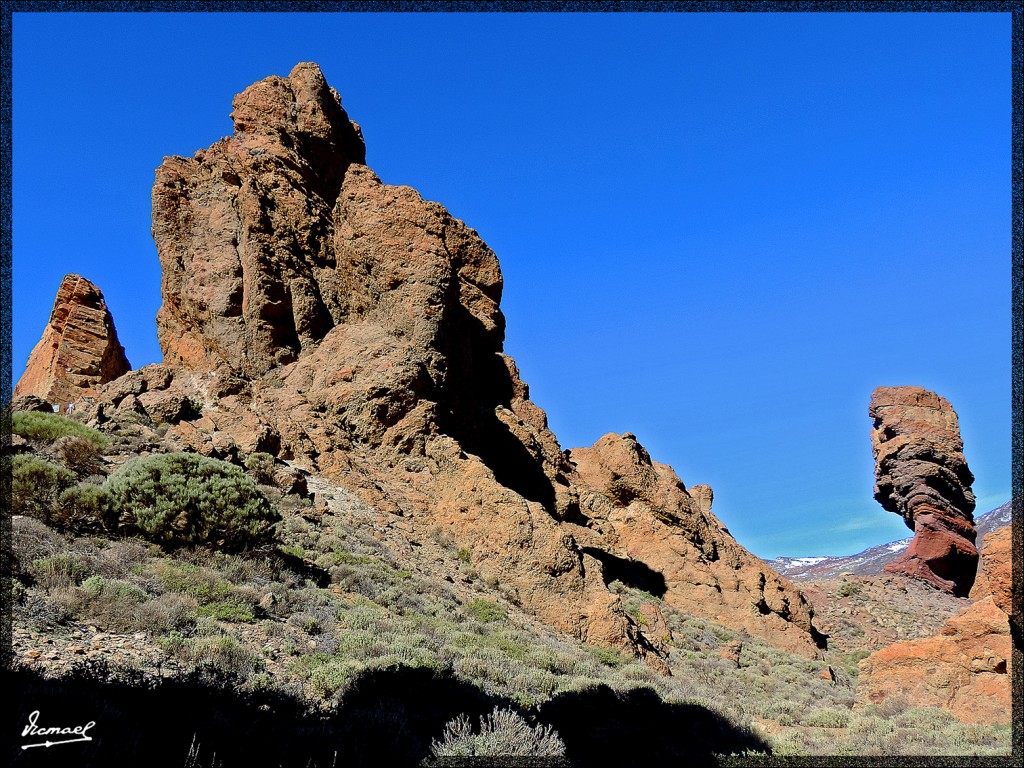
x=921, y=474
x=964, y=669
x=353, y=328
x=995, y=573
x=78, y=350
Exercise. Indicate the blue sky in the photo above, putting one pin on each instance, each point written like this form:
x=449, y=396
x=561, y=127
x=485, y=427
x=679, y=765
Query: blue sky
x=718, y=231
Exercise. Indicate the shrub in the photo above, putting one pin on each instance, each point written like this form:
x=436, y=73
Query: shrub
x=183, y=498
x=607, y=656
x=47, y=427
x=217, y=597
x=849, y=588
x=35, y=486
x=168, y=613
x=465, y=556
x=503, y=733
x=84, y=507
x=331, y=679
x=57, y=571
x=261, y=466
x=78, y=454
x=485, y=610
x=827, y=718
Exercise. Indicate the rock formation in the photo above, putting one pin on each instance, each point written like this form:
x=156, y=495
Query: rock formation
x=78, y=350
x=921, y=474
x=354, y=328
x=995, y=573
x=964, y=669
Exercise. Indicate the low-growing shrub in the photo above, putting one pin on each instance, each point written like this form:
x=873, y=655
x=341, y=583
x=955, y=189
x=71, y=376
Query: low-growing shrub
x=485, y=610
x=607, y=656
x=36, y=484
x=827, y=718
x=83, y=508
x=261, y=466
x=849, y=588
x=503, y=733
x=58, y=571
x=183, y=498
x=79, y=454
x=47, y=427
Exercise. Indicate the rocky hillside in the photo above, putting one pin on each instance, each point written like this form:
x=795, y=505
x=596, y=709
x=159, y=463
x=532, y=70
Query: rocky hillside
x=354, y=329
x=332, y=528
x=872, y=561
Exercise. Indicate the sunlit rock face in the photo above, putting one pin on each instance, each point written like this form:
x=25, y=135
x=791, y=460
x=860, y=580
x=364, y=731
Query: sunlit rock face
x=78, y=350
x=921, y=474
x=354, y=328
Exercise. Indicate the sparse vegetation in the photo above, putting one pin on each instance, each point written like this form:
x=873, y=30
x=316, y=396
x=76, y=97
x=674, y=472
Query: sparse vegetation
x=266, y=621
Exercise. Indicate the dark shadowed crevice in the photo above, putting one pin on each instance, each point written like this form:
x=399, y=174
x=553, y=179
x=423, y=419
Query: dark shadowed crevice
x=632, y=573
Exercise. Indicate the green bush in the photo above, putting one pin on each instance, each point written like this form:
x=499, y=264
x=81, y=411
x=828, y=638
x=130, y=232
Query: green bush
x=84, y=507
x=36, y=485
x=849, y=588
x=607, y=656
x=62, y=570
x=47, y=427
x=827, y=718
x=485, y=610
x=183, y=498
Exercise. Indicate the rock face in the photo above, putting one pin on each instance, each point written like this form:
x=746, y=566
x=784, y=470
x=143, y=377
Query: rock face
x=965, y=669
x=921, y=474
x=354, y=328
x=995, y=574
x=78, y=350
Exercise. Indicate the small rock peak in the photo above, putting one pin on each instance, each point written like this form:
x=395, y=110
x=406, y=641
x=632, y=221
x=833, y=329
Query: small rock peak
x=78, y=350
x=300, y=113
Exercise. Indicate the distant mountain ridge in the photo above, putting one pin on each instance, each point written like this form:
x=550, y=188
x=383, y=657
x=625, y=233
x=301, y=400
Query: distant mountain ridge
x=871, y=561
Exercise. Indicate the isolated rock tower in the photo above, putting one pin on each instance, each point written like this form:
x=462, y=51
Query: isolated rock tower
x=921, y=474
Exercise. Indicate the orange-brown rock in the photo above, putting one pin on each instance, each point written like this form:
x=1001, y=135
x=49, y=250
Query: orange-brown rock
x=921, y=474
x=649, y=532
x=316, y=313
x=965, y=669
x=78, y=350
x=995, y=573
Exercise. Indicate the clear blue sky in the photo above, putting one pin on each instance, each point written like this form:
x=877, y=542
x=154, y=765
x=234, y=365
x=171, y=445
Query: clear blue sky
x=718, y=231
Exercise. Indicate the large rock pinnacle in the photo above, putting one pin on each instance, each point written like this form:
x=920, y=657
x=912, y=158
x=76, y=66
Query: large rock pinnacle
x=921, y=474
x=354, y=328
x=78, y=350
